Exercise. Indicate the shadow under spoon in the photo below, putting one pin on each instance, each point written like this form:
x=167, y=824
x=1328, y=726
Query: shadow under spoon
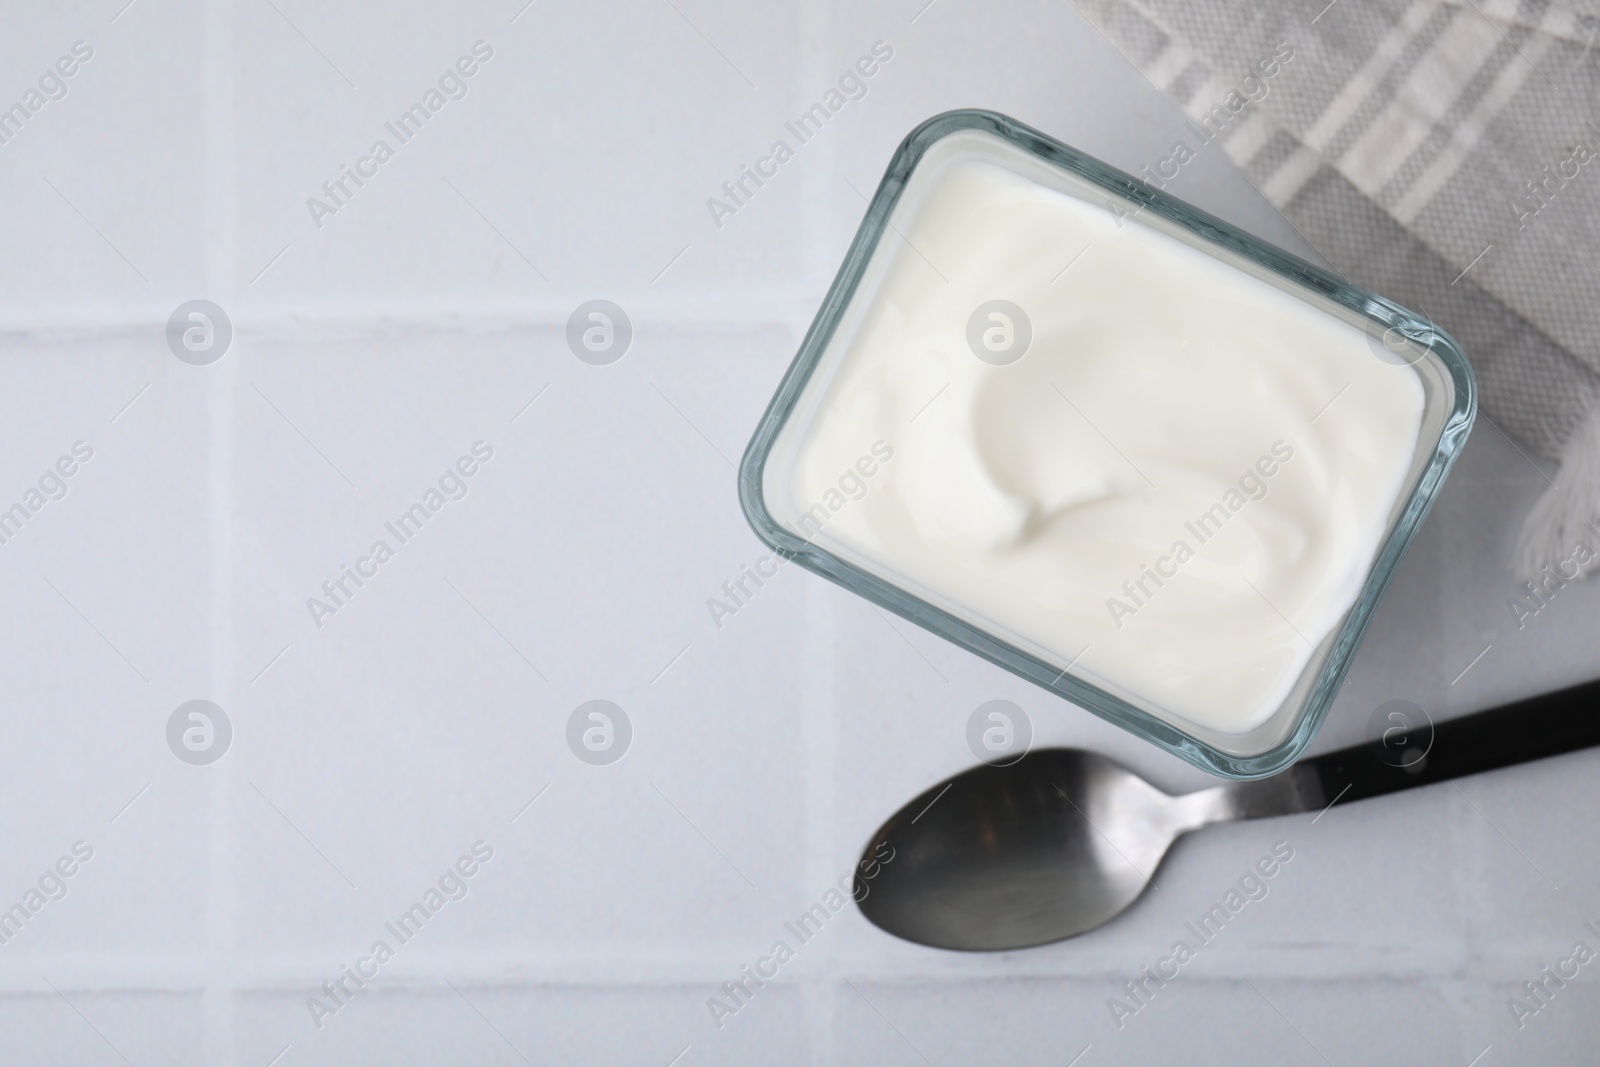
x=1064, y=840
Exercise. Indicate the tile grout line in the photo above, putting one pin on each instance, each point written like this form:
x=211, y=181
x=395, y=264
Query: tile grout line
x=219, y=249
x=819, y=730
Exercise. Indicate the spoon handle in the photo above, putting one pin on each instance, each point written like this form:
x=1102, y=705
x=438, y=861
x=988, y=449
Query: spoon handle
x=1547, y=725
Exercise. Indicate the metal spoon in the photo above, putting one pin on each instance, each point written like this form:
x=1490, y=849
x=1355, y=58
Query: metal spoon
x=1064, y=840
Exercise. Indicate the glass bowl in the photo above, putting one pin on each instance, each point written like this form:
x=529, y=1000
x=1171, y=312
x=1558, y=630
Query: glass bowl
x=1409, y=342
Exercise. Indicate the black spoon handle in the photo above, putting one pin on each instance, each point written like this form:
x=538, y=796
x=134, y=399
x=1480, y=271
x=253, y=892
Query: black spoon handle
x=1547, y=725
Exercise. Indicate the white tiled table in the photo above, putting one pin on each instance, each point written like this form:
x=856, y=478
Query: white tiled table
x=370, y=753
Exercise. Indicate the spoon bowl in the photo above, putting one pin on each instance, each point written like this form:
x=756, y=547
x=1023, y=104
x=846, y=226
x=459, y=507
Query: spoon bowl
x=1007, y=857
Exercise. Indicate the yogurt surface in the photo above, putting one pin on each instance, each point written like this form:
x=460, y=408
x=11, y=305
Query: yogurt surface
x=1107, y=446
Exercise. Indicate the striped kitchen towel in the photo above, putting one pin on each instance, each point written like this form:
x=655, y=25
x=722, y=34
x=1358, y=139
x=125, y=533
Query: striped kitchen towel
x=1441, y=153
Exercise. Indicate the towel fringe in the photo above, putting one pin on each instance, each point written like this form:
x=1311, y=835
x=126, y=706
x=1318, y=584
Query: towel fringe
x=1562, y=531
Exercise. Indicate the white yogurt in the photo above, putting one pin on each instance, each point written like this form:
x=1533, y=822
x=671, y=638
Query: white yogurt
x=1178, y=489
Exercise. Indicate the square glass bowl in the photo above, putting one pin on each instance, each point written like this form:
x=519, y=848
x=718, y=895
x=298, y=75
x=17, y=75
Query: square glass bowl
x=1235, y=262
